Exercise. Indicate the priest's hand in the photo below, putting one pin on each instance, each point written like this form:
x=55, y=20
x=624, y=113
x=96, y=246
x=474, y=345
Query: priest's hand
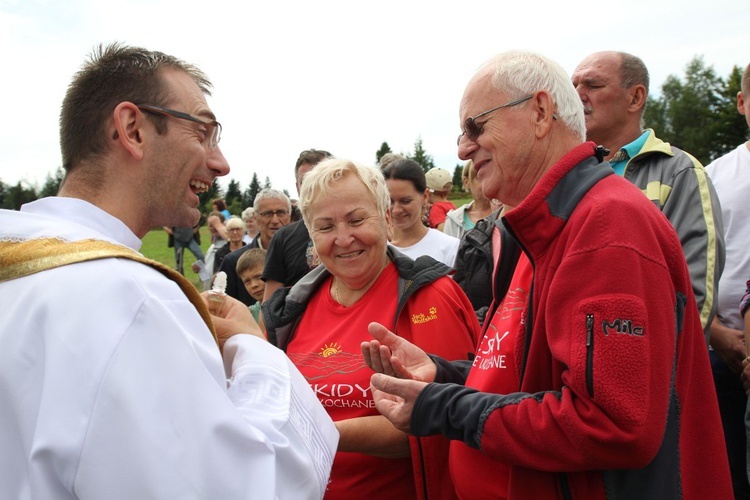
x=231, y=317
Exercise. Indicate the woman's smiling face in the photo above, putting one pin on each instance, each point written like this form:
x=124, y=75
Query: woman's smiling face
x=407, y=203
x=349, y=233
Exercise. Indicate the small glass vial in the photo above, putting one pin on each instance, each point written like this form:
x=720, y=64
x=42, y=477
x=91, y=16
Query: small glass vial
x=218, y=293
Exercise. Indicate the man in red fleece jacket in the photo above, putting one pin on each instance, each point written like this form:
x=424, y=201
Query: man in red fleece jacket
x=592, y=380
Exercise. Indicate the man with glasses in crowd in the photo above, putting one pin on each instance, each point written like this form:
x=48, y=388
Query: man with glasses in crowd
x=592, y=380
x=112, y=382
x=273, y=210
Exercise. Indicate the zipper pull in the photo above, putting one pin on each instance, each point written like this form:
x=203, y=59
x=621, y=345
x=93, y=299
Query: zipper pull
x=589, y=329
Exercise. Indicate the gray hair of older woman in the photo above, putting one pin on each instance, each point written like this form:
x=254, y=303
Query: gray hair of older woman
x=321, y=182
x=235, y=222
x=248, y=213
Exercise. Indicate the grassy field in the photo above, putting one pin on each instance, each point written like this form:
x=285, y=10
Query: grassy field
x=155, y=247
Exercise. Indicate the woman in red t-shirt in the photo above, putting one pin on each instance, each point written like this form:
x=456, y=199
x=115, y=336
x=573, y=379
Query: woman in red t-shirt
x=323, y=319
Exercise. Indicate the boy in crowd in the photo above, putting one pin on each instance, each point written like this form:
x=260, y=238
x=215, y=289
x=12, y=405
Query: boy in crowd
x=249, y=268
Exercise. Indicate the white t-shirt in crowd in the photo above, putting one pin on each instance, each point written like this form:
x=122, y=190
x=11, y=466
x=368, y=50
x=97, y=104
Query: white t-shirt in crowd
x=730, y=175
x=436, y=244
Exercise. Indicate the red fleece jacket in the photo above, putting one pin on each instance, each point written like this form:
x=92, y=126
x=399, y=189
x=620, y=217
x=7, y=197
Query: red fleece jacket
x=616, y=397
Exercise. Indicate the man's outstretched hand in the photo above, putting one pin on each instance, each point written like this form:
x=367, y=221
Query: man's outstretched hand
x=403, y=371
x=391, y=355
x=394, y=398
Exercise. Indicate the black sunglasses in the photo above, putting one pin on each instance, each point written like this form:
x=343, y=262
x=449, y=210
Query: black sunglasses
x=473, y=130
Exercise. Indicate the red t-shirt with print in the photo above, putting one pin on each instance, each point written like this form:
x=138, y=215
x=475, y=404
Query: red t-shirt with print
x=494, y=370
x=326, y=350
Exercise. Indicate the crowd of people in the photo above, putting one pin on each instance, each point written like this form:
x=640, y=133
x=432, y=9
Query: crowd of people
x=577, y=330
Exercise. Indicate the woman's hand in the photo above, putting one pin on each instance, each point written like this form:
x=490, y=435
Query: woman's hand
x=373, y=435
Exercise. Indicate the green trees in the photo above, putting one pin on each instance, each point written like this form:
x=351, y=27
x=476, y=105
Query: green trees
x=420, y=156
x=458, y=181
x=14, y=196
x=52, y=184
x=252, y=190
x=698, y=112
x=384, y=149
x=233, y=198
x=732, y=127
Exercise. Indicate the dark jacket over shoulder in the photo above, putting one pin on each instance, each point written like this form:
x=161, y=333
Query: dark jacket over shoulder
x=474, y=264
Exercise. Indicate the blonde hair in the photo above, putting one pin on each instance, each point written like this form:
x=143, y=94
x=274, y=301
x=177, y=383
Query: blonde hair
x=235, y=222
x=321, y=181
x=468, y=174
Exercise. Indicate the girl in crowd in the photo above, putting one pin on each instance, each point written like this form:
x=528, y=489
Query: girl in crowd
x=409, y=196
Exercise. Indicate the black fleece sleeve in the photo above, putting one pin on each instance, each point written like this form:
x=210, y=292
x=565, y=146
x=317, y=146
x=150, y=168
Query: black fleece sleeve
x=455, y=411
x=451, y=371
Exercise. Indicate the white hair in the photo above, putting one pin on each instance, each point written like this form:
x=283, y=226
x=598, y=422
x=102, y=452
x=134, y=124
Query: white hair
x=274, y=194
x=235, y=222
x=520, y=73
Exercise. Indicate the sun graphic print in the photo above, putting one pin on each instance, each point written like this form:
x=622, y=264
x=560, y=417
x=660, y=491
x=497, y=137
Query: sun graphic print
x=330, y=349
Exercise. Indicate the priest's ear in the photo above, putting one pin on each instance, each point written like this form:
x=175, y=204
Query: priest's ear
x=130, y=128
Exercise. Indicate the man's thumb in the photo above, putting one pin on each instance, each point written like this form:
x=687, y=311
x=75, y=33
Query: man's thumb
x=385, y=383
x=379, y=332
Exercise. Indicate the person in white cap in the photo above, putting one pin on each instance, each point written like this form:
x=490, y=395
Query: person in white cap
x=440, y=183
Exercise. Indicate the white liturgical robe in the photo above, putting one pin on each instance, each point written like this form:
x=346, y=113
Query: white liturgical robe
x=112, y=387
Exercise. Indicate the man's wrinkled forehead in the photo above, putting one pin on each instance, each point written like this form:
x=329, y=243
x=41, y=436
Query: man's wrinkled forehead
x=601, y=65
x=479, y=91
x=270, y=204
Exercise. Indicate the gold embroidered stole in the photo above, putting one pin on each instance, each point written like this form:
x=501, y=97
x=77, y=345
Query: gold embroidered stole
x=23, y=258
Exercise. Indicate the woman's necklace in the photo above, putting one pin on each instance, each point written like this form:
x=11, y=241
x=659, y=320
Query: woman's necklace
x=336, y=291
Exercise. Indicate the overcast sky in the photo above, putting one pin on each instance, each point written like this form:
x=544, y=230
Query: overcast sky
x=337, y=75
